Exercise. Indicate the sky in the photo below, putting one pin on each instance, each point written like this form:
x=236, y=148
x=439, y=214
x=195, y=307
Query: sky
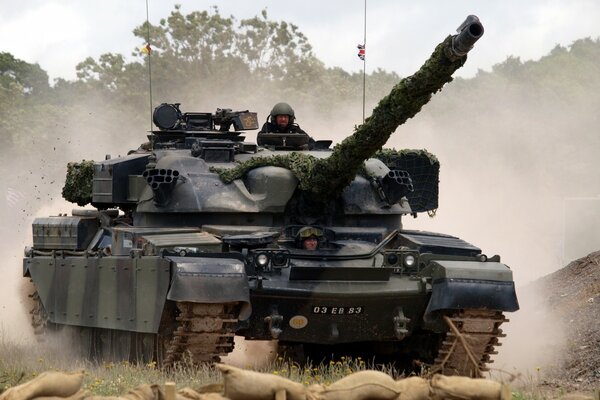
x=58, y=34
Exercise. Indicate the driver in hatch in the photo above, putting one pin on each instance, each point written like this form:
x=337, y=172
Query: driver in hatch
x=309, y=238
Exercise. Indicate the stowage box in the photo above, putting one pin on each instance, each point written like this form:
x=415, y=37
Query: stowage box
x=63, y=233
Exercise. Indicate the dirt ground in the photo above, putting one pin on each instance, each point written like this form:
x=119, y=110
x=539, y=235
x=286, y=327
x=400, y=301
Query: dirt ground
x=573, y=295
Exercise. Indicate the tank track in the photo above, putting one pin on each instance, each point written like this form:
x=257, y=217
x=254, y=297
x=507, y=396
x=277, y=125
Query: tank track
x=469, y=343
x=204, y=332
x=39, y=317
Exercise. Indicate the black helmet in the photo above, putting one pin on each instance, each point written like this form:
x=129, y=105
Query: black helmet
x=283, y=109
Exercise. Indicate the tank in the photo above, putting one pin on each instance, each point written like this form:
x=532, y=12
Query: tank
x=199, y=236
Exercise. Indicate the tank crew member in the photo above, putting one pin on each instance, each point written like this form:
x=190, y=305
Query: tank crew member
x=309, y=238
x=281, y=120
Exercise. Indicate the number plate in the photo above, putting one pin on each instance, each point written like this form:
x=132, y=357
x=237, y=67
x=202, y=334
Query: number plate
x=337, y=310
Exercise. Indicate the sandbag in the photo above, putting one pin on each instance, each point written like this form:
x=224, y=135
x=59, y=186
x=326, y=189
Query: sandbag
x=46, y=384
x=240, y=384
x=190, y=394
x=413, y=388
x=209, y=388
x=142, y=392
x=104, y=398
x=460, y=387
x=80, y=395
x=373, y=385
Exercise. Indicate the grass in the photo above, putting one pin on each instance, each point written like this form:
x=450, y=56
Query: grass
x=20, y=362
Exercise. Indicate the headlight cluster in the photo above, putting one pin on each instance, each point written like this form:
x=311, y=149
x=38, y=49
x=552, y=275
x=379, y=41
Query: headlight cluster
x=268, y=259
x=401, y=260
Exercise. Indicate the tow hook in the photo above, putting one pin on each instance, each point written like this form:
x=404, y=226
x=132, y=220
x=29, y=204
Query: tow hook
x=401, y=325
x=274, y=321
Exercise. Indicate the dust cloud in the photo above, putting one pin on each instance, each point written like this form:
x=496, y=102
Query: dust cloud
x=32, y=185
x=507, y=164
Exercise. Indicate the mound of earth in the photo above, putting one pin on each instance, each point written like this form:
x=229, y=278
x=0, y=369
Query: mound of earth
x=573, y=295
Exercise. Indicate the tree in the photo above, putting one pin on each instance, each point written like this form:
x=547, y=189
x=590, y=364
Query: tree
x=22, y=77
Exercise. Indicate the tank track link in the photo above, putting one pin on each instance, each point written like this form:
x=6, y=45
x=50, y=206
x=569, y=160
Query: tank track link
x=204, y=332
x=469, y=343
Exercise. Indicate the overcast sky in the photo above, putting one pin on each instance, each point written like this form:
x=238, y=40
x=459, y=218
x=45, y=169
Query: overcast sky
x=58, y=34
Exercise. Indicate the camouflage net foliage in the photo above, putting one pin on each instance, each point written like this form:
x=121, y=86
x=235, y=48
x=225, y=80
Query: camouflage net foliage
x=301, y=165
x=78, y=184
x=424, y=169
x=327, y=178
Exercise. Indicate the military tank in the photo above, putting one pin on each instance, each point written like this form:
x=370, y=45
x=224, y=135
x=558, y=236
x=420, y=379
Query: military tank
x=199, y=236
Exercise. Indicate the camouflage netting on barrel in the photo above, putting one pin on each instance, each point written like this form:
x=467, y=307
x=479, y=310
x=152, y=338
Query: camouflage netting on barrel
x=424, y=169
x=79, y=181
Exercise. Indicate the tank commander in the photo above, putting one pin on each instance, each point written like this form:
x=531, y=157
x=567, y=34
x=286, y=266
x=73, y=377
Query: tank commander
x=281, y=120
x=309, y=238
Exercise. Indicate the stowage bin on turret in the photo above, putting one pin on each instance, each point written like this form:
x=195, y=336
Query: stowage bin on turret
x=199, y=236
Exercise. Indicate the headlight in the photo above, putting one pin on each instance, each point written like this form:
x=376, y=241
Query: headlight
x=409, y=260
x=279, y=259
x=262, y=259
x=482, y=257
x=391, y=259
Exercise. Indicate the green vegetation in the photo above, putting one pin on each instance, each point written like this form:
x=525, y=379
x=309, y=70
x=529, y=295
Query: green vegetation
x=78, y=184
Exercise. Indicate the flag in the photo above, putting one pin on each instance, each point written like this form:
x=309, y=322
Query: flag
x=361, y=51
x=146, y=49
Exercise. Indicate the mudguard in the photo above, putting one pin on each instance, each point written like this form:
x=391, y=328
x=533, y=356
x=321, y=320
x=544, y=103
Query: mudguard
x=111, y=292
x=210, y=280
x=471, y=285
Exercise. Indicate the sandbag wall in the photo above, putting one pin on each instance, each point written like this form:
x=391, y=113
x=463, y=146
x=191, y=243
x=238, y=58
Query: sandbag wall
x=240, y=384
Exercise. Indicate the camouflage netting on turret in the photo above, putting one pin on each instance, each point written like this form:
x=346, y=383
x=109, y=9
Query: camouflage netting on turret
x=78, y=184
x=327, y=178
x=300, y=164
x=424, y=169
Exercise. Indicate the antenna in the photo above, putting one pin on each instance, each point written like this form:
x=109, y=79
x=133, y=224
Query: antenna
x=149, y=52
x=364, y=60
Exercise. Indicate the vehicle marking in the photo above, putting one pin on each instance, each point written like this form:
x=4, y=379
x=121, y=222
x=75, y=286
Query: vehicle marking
x=337, y=310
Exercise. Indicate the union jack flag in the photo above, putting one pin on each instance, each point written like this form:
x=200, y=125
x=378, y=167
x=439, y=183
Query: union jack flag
x=361, y=51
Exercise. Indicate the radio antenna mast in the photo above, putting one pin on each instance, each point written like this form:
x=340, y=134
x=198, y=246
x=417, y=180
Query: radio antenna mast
x=364, y=60
x=149, y=53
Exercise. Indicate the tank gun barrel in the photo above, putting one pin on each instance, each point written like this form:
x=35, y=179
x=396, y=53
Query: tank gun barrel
x=468, y=33
x=330, y=176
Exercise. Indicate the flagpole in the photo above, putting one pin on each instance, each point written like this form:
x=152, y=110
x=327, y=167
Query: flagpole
x=364, y=60
x=149, y=64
